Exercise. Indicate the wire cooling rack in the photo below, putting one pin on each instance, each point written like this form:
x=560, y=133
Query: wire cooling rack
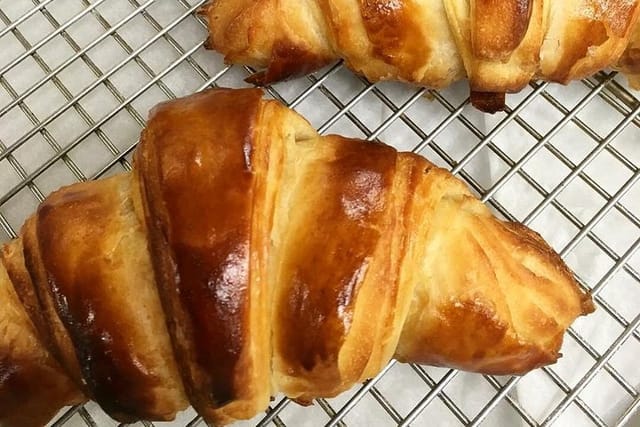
x=77, y=78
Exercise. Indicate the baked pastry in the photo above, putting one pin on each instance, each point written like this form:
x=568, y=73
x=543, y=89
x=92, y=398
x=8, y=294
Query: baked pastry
x=498, y=45
x=246, y=255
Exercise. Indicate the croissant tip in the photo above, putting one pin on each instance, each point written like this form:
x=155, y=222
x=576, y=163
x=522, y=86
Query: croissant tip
x=303, y=401
x=208, y=43
x=488, y=102
x=204, y=9
x=257, y=79
x=586, y=304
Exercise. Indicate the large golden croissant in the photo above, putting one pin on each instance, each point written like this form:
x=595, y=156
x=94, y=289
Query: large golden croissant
x=499, y=45
x=246, y=255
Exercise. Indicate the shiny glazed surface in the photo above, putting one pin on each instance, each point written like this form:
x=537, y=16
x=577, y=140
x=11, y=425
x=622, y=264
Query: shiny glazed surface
x=78, y=266
x=347, y=212
x=204, y=231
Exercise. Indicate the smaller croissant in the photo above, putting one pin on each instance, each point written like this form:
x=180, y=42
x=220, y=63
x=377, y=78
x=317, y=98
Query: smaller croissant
x=498, y=45
x=246, y=255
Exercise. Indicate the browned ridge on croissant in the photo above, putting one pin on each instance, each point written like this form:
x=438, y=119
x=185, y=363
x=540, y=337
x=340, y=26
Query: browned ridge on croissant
x=246, y=255
x=498, y=45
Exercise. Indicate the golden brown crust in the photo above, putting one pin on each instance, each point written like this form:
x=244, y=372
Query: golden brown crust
x=500, y=304
x=393, y=311
x=629, y=62
x=12, y=255
x=98, y=272
x=255, y=30
x=516, y=67
x=583, y=35
x=271, y=246
x=288, y=61
x=200, y=223
x=586, y=37
x=339, y=225
x=54, y=334
x=498, y=27
x=33, y=387
x=499, y=45
x=392, y=31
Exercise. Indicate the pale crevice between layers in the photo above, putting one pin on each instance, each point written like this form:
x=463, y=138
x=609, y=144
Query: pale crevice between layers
x=246, y=255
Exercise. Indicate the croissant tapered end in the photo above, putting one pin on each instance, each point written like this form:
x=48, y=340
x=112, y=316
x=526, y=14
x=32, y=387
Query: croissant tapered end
x=492, y=297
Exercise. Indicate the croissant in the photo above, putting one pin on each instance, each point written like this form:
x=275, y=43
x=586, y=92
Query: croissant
x=499, y=45
x=246, y=255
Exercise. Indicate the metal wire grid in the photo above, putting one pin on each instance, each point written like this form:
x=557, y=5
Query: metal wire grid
x=75, y=116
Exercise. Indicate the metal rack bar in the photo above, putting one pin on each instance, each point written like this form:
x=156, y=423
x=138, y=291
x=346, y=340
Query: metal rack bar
x=573, y=394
